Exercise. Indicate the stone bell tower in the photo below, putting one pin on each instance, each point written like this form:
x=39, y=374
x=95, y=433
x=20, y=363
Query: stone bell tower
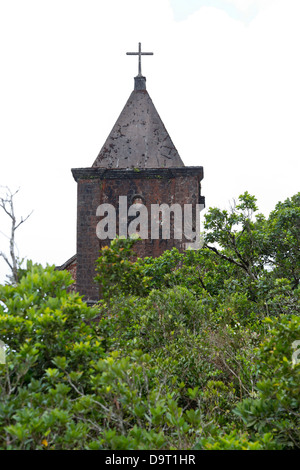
x=139, y=163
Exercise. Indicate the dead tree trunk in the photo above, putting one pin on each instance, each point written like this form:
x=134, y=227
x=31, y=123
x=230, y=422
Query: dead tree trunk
x=7, y=205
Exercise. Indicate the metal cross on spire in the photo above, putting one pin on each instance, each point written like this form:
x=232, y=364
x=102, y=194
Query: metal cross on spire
x=140, y=53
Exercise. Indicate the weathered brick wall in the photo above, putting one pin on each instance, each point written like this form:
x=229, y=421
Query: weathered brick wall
x=98, y=186
x=88, y=199
x=71, y=266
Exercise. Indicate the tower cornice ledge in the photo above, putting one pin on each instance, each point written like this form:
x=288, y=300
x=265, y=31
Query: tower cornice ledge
x=135, y=173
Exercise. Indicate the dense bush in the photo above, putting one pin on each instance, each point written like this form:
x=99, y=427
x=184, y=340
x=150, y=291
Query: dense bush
x=191, y=350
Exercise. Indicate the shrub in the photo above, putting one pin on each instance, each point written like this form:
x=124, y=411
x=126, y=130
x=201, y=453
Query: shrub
x=276, y=408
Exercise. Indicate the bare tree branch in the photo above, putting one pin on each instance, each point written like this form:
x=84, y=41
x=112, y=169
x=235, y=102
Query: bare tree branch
x=6, y=259
x=23, y=220
x=7, y=204
x=231, y=260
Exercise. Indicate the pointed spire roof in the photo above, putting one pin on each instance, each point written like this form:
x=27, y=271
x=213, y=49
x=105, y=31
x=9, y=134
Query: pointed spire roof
x=139, y=138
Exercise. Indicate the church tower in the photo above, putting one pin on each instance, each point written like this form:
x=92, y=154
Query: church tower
x=138, y=164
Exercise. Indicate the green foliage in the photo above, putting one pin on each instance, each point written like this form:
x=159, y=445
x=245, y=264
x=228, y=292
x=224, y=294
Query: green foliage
x=283, y=239
x=117, y=273
x=237, y=441
x=237, y=234
x=192, y=350
x=40, y=320
x=255, y=243
x=276, y=408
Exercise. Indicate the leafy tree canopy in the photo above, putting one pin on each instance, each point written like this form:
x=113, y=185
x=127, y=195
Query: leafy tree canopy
x=194, y=350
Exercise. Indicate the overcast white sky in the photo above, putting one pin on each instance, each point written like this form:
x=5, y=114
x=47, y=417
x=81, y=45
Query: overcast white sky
x=225, y=79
